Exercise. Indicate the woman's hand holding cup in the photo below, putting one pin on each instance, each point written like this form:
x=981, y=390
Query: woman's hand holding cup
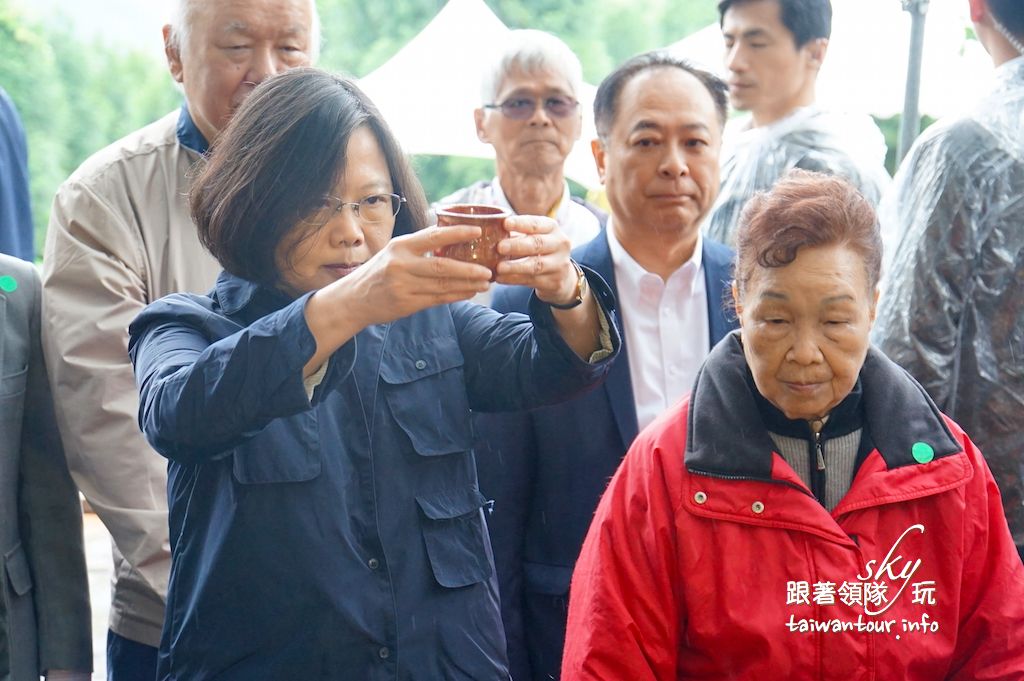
x=537, y=257
x=403, y=279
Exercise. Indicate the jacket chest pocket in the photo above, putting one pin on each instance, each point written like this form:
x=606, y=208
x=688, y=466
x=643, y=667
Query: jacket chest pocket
x=455, y=538
x=426, y=392
x=287, y=450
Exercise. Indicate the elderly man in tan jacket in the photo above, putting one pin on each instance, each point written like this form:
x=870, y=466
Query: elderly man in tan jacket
x=120, y=237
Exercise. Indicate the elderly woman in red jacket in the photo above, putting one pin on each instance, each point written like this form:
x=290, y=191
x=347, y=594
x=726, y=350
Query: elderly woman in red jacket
x=807, y=513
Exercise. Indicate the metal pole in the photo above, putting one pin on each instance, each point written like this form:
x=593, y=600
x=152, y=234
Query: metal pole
x=910, y=124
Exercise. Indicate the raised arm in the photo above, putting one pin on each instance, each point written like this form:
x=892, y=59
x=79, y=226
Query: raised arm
x=207, y=384
x=540, y=260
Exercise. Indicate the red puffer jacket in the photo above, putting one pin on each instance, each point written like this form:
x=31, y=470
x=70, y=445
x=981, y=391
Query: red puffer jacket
x=720, y=564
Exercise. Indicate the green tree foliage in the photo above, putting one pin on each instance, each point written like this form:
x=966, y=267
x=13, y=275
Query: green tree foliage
x=77, y=96
x=606, y=32
x=359, y=35
x=28, y=72
x=74, y=97
x=890, y=128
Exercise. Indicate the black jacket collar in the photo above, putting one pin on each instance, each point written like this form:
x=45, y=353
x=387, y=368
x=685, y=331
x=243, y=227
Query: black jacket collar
x=847, y=416
x=726, y=434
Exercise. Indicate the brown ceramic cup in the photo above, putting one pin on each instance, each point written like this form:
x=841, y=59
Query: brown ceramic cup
x=484, y=250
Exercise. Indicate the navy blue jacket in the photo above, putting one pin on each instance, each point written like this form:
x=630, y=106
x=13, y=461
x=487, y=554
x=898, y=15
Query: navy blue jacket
x=15, y=206
x=340, y=537
x=546, y=470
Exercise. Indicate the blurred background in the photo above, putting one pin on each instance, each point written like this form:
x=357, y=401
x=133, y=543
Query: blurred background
x=83, y=73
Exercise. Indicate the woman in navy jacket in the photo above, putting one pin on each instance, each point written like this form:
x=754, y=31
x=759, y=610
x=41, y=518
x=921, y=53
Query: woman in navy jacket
x=325, y=519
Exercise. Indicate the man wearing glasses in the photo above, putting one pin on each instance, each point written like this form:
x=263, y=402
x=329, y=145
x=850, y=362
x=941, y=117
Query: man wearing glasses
x=659, y=122
x=532, y=118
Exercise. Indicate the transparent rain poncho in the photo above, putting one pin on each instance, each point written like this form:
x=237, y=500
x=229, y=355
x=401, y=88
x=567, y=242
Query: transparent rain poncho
x=952, y=306
x=847, y=145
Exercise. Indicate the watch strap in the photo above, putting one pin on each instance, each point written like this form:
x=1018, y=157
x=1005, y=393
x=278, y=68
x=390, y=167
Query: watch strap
x=582, y=286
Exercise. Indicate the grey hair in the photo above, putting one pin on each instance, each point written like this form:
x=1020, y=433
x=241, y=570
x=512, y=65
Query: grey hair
x=529, y=50
x=184, y=14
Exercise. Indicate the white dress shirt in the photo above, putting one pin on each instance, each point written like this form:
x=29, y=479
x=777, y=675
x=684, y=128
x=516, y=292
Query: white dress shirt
x=665, y=328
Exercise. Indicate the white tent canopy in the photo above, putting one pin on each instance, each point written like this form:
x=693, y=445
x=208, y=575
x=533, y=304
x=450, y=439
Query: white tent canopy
x=427, y=92
x=866, y=65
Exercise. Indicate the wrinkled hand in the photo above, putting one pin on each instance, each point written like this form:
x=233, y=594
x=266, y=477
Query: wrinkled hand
x=539, y=258
x=401, y=279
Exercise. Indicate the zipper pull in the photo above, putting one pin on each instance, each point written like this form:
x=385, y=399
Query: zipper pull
x=816, y=426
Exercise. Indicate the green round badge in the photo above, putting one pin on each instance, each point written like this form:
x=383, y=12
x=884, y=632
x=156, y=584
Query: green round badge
x=923, y=452
x=8, y=284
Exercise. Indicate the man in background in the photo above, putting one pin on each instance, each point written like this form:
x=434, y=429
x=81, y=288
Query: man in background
x=659, y=122
x=120, y=236
x=774, y=50
x=531, y=115
x=952, y=309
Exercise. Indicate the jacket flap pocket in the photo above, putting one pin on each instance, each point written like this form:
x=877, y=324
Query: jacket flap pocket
x=437, y=421
x=455, y=537
x=407, y=363
x=448, y=505
x=429, y=404
x=550, y=580
x=18, y=574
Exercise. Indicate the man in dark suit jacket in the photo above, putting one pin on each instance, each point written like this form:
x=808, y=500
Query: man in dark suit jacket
x=44, y=604
x=659, y=122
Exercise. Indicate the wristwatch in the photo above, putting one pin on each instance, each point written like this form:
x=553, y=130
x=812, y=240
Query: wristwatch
x=581, y=290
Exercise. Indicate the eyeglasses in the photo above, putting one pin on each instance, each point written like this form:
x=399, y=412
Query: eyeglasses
x=521, y=108
x=373, y=208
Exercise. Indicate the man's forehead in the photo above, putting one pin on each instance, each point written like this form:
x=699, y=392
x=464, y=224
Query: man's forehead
x=242, y=26
x=665, y=96
x=751, y=18
x=537, y=81
x=245, y=16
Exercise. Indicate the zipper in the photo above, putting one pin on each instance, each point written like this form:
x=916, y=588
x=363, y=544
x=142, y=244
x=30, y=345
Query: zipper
x=818, y=463
x=722, y=476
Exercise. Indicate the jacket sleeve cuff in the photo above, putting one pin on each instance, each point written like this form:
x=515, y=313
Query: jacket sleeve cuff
x=605, y=338
x=544, y=322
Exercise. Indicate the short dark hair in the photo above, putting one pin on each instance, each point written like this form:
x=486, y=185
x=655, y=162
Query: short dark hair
x=807, y=20
x=283, y=150
x=804, y=210
x=606, y=101
x=1009, y=13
